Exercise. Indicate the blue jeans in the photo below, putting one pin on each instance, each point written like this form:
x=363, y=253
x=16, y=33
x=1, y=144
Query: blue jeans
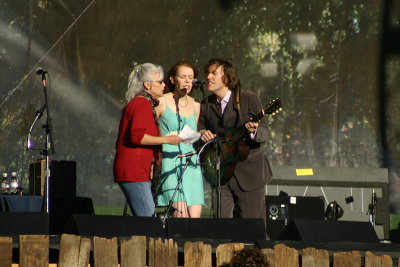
x=139, y=197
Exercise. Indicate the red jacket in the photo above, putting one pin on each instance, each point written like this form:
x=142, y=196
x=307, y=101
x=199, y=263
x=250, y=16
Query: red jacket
x=132, y=160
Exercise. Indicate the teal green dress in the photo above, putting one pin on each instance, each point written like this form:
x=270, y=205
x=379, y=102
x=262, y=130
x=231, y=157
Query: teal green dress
x=191, y=187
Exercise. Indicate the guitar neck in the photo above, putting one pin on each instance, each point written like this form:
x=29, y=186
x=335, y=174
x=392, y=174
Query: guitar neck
x=259, y=116
x=242, y=131
x=271, y=108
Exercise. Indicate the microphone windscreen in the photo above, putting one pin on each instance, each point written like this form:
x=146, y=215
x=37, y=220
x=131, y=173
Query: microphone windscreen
x=40, y=71
x=197, y=82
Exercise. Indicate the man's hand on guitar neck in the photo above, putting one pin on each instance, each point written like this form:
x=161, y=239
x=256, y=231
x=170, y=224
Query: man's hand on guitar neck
x=207, y=135
x=251, y=126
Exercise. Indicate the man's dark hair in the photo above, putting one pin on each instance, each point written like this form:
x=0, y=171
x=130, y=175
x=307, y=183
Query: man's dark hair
x=230, y=79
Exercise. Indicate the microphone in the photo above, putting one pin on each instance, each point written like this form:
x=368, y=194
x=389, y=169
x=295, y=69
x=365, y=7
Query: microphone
x=40, y=71
x=197, y=82
x=188, y=154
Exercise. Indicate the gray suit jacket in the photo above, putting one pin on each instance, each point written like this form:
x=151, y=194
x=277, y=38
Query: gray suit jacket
x=253, y=172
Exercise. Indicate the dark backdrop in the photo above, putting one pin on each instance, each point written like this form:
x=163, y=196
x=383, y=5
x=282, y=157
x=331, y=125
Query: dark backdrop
x=335, y=65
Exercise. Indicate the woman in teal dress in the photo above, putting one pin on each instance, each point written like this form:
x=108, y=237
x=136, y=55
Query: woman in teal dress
x=176, y=110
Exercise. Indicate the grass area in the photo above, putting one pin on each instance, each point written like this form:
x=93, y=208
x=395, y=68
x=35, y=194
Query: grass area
x=110, y=210
x=394, y=221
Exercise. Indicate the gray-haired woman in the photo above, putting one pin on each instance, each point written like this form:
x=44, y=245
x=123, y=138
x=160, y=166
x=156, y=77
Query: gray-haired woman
x=139, y=142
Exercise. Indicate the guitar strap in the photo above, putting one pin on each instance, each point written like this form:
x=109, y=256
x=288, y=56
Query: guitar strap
x=237, y=99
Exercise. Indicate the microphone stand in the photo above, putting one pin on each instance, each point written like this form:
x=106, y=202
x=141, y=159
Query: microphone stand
x=188, y=158
x=49, y=147
x=218, y=152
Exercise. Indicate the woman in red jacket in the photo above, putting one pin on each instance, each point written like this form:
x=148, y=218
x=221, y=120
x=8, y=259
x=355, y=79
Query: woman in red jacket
x=139, y=142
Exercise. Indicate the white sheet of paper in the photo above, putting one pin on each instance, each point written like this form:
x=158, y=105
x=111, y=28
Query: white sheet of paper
x=189, y=136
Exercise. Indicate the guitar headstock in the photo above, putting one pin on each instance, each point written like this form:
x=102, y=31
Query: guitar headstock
x=273, y=107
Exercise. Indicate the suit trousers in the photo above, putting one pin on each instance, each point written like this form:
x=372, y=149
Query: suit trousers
x=235, y=202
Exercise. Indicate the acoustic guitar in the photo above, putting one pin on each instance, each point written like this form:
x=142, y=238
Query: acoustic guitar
x=233, y=148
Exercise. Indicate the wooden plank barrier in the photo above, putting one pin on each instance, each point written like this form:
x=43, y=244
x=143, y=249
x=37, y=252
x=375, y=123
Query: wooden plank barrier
x=133, y=252
x=270, y=256
x=84, y=252
x=387, y=261
x=285, y=256
x=225, y=252
x=172, y=253
x=347, y=259
x=69, y=251
x=151, y=256
x=197, y=254
x=312, y=257
x=74, y=251
x=162, y=253
x=105, y=252
x=5, y=251
x=372, y=260
x=33, y=250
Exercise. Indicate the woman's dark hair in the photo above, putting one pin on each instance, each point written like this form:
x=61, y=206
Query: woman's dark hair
x=169, y=86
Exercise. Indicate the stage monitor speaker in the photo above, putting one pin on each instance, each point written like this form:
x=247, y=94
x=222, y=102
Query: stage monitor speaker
x=114, y=226
x=282, y=209
x=395, y=236
x=24, y=223
x=329, y=231
x=351, y=188
x=62, y=178
x=233, y=230
x=62, y=208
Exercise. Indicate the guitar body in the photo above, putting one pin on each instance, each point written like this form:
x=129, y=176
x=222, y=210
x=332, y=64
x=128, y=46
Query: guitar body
x=234, y=149
x=231, y=153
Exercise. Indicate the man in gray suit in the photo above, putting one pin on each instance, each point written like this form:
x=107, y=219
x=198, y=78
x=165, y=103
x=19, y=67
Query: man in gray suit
x=228, y=107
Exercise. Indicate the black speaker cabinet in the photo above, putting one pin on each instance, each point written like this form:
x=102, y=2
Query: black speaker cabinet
x=232, y=230
x=282, y=209
x=24, y=223
x=63, y=208
x=395, y=236
x=351, y=188
x=62, y=178
x=329, y=231
x=114, y=226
